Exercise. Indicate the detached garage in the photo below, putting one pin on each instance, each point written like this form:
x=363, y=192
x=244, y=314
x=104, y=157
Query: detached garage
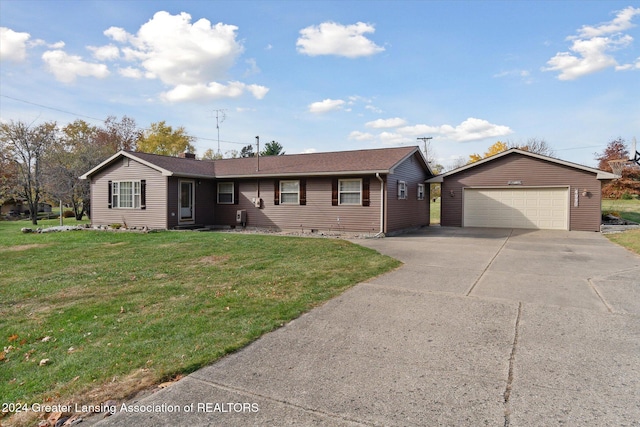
x=519, y=189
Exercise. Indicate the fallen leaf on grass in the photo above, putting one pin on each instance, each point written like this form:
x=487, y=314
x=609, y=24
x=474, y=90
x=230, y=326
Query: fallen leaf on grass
x=13, y=337
x=44, y=362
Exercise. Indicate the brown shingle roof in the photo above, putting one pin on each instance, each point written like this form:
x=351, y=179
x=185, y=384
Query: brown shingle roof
x=380, y=160
x=178, y=165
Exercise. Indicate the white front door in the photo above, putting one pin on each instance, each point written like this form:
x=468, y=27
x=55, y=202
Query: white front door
x=186, y=200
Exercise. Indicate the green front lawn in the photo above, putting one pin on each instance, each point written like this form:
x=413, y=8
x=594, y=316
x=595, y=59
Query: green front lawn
x=627, y=209
x=113, y=312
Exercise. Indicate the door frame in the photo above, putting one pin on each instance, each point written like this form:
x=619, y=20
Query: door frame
x=192, y=199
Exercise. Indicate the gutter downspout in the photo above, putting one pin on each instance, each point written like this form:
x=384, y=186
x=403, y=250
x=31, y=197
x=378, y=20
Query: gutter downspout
x=381, y=233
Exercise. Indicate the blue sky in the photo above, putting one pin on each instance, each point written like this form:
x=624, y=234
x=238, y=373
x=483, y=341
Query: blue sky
x=327, y=76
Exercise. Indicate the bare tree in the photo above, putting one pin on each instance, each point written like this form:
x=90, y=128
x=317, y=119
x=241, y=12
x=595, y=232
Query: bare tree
x=119, y=135
x=24, y=146
x=77, y=151
x=535, y=145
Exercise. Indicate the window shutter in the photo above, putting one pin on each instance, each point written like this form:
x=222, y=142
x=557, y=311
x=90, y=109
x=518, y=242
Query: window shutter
x=366, y=200
x=334, y=192
x=236, y=192
x=109, y=191
x=276, y=192
x=143, y=194
x=303, y=192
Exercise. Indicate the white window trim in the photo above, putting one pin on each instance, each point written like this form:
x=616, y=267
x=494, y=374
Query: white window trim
x=402, y=190
x=420, y=191
x=297, y=202
x=233, y=191
x=136, y=194
x=359, y=203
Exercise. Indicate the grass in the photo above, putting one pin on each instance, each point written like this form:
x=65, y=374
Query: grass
x=627, y=209
x=115, y=312
x=629, y=239
x=434, y=210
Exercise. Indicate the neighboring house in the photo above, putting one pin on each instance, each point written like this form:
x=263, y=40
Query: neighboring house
x=519, y=189
x=19, y=207
x=371, y=191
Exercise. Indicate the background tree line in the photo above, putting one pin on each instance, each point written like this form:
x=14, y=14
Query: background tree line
x=42, y=163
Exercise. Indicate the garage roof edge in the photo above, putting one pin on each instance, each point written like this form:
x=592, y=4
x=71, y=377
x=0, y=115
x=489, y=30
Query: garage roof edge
x=600, y=174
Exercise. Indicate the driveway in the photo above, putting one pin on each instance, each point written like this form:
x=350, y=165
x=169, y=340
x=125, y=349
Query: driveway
x=479, y=327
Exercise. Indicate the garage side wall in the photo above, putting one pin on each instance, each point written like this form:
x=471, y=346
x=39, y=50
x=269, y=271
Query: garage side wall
x=530, y=172
x=408, y=212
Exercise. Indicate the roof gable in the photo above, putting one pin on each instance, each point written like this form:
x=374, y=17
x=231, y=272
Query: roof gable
x=383, y=160
x=600, y=174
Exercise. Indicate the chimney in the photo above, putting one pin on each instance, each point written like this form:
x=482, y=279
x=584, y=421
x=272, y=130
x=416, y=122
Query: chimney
x=187, y=155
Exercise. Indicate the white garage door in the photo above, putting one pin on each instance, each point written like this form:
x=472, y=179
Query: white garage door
x=544, y=208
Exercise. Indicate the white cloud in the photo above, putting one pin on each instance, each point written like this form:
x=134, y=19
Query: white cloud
x=472, y=129
x=192, y=58
x=309, y=151
x=66, y=68
x=13, y=45
x=386, y=123
x=117, y=34
x=621, y=22
x=130, y=72
x=330, y=38
x=326, y=106
x=213, y=90
x=105, y=53
x=393, y=138
x=361, y=136
x=591, y=50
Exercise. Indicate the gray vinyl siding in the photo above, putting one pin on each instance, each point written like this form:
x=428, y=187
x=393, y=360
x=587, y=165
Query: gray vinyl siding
x=317, y=214
x=532, y=173
x=153, y=217
x=409, y=212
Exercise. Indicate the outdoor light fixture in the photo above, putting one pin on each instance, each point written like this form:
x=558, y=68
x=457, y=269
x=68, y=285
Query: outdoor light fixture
x=585, y=193
x=451, y=193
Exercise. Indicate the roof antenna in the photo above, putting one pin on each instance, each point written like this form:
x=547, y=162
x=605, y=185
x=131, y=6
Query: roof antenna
x=220, y=116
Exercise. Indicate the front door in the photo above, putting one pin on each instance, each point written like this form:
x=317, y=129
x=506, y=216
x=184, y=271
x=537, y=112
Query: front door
x=187, y=212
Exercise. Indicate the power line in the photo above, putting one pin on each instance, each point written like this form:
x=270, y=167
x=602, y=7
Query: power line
x=104, y=121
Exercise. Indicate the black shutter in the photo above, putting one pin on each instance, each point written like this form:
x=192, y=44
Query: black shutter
x=236, y=192
x=334, y=192
x=303, y=192
x=143, y=194
x=109, y=191
x=366, y=198
x=276, y=192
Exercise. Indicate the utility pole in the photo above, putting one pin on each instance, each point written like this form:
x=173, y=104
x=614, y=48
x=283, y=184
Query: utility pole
x=220, y=116
x=258, y=152
x=427, y=142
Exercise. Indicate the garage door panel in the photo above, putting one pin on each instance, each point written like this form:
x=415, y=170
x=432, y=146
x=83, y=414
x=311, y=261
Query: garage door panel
x=516, y=208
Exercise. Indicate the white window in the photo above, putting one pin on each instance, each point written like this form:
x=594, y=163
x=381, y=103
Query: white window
x=125, y=194
x=225, y=193
x=349, y=191
x=420, y=191
x=289, y=192
x=402, y=190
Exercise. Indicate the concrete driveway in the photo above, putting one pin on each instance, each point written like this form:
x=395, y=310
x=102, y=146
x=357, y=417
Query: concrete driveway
x=479, y=327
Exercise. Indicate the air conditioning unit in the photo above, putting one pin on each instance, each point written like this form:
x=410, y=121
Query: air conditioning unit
x=241, y=217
